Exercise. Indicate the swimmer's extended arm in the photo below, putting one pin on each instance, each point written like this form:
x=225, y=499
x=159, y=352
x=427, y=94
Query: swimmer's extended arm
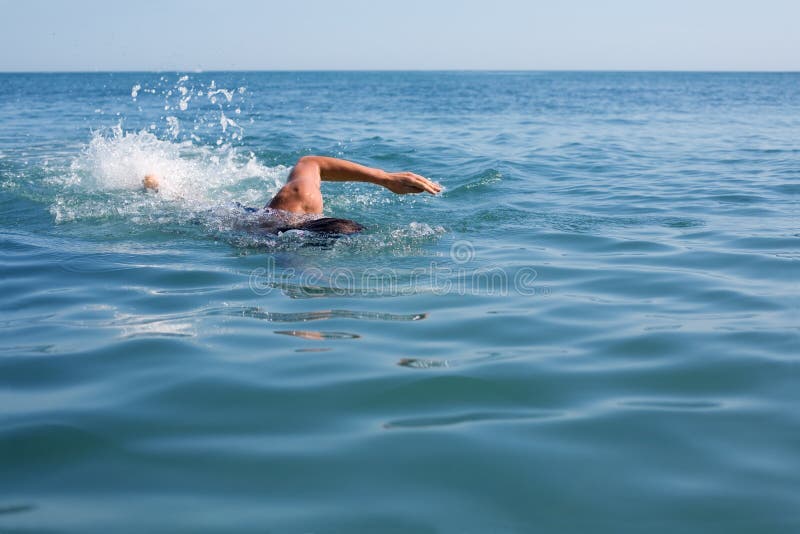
x=301, y=193
x=340, y=170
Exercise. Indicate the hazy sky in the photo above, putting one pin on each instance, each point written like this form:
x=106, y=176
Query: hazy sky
x=401, y=34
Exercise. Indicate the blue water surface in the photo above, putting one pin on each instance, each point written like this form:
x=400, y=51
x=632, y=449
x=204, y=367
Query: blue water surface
x=594, y=328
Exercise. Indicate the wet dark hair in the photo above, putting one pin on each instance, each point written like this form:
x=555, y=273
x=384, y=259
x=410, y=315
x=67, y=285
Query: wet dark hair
x=327, y=226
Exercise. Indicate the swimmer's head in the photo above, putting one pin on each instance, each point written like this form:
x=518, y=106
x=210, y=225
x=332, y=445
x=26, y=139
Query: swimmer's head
x=330, y=226
x=151, y=181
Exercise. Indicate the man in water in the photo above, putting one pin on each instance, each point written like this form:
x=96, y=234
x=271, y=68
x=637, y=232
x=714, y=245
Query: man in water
x=302, y=196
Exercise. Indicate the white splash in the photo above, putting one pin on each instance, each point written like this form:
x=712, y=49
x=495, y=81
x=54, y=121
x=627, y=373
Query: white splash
x=226, y=93
x=174, y=126
x=201, y=176
x=225, y=122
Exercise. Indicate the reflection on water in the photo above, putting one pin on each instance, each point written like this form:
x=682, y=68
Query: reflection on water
x=420, y=363
x=317, y=335
x=278, y=317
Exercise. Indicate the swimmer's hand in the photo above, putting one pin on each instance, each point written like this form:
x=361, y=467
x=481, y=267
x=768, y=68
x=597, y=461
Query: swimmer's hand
x=151, y=181
x=403, y=183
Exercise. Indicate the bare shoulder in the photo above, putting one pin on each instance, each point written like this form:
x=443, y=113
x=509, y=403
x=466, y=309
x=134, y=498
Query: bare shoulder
x=301, y=194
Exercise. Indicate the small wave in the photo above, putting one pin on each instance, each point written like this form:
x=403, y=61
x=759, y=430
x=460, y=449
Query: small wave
x=469, y=418
x=671, y=404
x=16, y=508
x=477, y=182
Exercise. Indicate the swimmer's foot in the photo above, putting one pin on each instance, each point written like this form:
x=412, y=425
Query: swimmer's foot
x=151, y=181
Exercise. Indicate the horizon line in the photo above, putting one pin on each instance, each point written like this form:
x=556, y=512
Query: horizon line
x=208, y=71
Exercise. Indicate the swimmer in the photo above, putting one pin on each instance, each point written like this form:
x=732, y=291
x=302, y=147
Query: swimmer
x=302, y=195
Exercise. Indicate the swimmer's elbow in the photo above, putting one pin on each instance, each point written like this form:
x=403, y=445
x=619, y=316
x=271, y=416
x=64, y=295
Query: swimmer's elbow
x=308, y=161
x=306, y=167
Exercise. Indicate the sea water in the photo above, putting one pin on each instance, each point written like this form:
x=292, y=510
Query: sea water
x=594, y=328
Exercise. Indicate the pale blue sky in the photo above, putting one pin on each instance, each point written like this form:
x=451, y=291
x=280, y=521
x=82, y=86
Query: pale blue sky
x=38, y=35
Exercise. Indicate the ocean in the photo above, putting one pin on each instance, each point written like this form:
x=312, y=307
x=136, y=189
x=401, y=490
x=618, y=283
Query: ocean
x=594, y=328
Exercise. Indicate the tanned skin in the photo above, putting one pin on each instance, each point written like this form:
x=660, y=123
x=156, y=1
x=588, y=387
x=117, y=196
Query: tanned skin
x=302, y=194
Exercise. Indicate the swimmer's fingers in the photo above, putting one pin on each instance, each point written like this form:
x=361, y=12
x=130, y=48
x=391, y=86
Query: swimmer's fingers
x=431, y=187
x=407, y=182
x=423, y=184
